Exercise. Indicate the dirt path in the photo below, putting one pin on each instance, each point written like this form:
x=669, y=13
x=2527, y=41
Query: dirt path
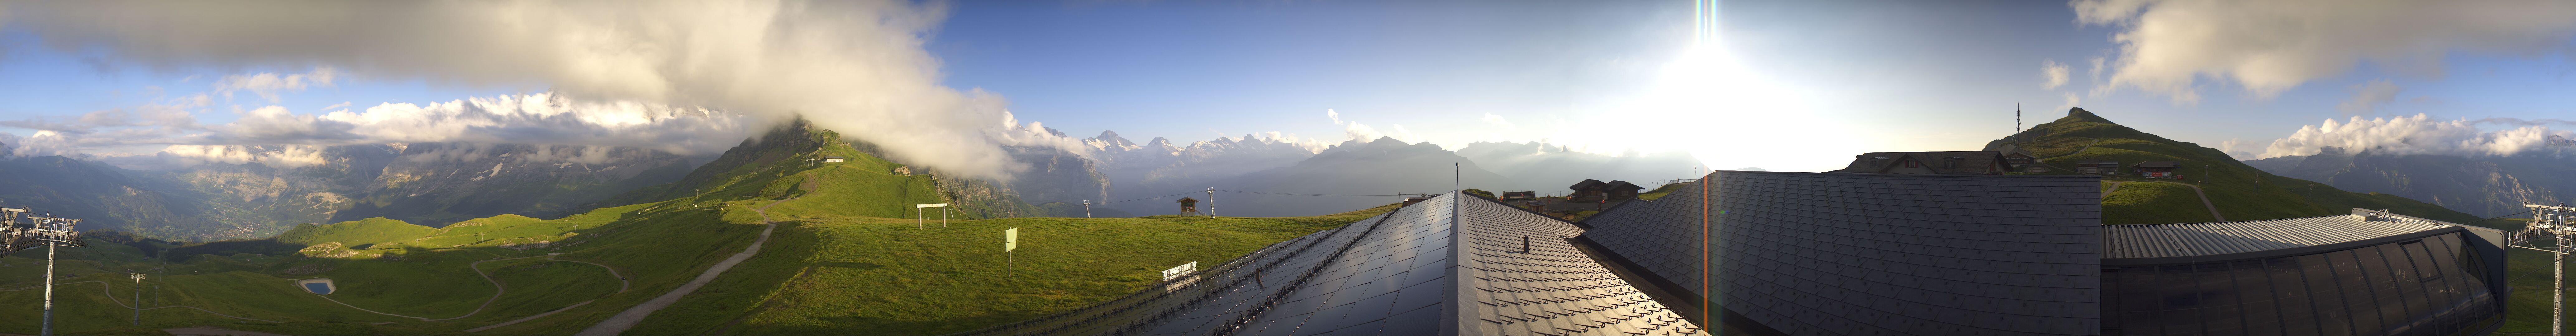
x=627, y=319
x=497, y=290
x=104, y=288
x=2195, y=190
x=2115, y=186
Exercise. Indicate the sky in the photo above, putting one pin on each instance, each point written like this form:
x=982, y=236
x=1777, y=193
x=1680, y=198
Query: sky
x=1782, y=85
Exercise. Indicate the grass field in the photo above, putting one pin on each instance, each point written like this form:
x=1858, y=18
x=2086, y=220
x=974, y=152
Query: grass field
x=2152, y=203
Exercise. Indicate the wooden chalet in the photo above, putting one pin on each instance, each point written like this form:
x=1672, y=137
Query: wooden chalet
x=1620, y=190
x=2097, y=167
x=2021, y=160
x=2156, y=169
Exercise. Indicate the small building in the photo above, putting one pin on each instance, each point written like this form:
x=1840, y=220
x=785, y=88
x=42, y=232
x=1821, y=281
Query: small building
x=2097, y=167
x=903, y=170
x=2156, y=169
x=1941, y=163
x=2021, y=160
x=1189, y=206
x=831, y=159
x=1588, y=191
x=1519, y=195
x=1620, y=190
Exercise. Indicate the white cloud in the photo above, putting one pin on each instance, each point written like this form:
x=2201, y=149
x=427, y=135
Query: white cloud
x=2052, y=74
x=268, y=84
x=2265, y=47
x=285, y=156
x=42, y=143
x=2418, y=134
x=2072, y=101
x=857, y=67
x=542, y=118
x=2367, y=97
x=1498, y=121
x=2238, y=149
x=1355, y=130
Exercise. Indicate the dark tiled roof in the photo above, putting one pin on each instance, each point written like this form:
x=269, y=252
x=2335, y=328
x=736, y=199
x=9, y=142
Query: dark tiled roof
x=1394, y=274
x=1587, y=183
x=1969, y=162
x=2158, y=164
x=2222, y=238
x=1879, y=254
x=1621, y=185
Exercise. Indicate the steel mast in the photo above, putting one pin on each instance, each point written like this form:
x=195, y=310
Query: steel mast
x=2550, y=230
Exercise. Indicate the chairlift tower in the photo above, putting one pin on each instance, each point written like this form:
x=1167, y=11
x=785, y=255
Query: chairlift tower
x=53, y=233
x=2550, y=230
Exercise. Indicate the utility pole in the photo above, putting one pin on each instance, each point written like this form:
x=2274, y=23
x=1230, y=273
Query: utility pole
x=1211, y=210
x=1086, y=208
x=49, y=230
x=138, y=297
x=1456, y=180
x=2550, y=231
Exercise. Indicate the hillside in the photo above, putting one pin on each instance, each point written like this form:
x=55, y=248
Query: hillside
x=844, y=256
x=2238, y=191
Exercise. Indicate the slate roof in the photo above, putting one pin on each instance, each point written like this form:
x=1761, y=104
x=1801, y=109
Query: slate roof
x=1970, y=162
x=1878, y=254
x=1400, y=273
x=2223, y=238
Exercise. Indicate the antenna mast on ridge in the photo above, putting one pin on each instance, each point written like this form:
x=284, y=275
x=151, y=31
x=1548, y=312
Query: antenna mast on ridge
x=2016, y=122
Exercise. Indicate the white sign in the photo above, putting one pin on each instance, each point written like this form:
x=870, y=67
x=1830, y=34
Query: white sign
x=1177, y=272
x=1011, y=240
x=932, y=205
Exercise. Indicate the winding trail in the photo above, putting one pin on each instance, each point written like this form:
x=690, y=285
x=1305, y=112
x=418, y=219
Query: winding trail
x=103, y=288
x=627, y=319
x=2115, y=186
x=2195, y=190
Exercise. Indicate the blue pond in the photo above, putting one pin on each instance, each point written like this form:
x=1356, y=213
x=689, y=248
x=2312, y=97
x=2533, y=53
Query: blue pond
x=317, y=288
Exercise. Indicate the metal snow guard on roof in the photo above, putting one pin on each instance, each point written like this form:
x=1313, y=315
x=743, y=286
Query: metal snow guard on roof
x=2138, y=244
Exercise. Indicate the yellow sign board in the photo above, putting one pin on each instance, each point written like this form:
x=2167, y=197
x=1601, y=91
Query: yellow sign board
x=1010, y=239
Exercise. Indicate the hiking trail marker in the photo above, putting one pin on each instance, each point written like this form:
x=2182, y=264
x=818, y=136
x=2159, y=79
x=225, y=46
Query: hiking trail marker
x=1010, y=241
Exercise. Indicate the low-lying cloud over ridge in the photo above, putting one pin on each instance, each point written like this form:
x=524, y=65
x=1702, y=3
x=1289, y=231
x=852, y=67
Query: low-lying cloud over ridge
x=2167, y=46
x=857, y=67
x=2420, y=134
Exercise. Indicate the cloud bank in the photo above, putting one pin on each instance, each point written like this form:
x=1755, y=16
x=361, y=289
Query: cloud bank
x=2419, y=134
x=2167, y=46
x=268, y=84
x=857, y=67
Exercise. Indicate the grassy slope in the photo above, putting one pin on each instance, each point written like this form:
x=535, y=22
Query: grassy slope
x=2240, y=192
x=2152, y=203
x=882, y=275
x=846, y=217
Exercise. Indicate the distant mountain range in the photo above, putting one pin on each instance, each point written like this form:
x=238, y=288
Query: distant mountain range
x=263, y=190
x=2486, y=186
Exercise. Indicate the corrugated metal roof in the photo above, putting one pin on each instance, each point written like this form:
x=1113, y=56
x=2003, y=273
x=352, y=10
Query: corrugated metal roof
x=2200, y=239
x=1877, y=254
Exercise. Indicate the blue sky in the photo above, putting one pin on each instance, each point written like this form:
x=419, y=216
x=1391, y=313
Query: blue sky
x=1865, y=76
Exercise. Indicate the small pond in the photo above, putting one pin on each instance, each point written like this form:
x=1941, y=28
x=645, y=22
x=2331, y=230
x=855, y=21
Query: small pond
x=317, y=285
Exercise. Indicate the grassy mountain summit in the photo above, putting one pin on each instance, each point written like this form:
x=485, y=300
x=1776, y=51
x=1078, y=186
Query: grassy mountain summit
x=2238, y=192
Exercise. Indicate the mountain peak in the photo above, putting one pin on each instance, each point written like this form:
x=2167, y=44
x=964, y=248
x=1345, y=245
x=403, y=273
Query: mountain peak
x=2080, y=114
